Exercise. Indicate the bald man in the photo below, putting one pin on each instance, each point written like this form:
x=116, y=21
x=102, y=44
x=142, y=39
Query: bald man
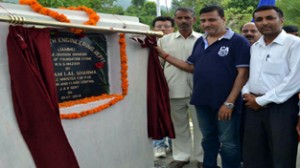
x=250, y=31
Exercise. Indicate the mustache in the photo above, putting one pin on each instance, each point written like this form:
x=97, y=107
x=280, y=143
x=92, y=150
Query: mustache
x=184, y=25
x=207, y=28
x=249, y=37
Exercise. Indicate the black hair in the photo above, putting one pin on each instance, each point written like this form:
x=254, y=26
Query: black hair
x=290, y=29
x=211, y=8
x=266, y=7
x=184, y=9
x=163, y=18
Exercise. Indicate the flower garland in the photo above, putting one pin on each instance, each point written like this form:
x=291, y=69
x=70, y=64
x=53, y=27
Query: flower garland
x=116, y=97
x=37, y=7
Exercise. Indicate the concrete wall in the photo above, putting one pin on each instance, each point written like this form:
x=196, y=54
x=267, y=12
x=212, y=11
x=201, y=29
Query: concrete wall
x=115, y=137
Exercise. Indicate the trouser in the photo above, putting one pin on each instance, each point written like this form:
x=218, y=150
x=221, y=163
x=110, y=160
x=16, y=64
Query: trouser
x=270, y=137
x=219, y=136
x=164, y=143
x=182, y=146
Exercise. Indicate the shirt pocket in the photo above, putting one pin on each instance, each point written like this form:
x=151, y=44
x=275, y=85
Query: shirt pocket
x=273, y=68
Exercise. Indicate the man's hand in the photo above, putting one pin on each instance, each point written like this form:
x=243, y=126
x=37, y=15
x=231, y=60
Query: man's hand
x=224, y=113
x=298, y=126
x=161, y=52
x=250, y=101
x=151, y=41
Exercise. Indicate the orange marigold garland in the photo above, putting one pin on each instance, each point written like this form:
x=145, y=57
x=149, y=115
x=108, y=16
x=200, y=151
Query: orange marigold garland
x=115, y=97
x=124, y=67
x=37, y=7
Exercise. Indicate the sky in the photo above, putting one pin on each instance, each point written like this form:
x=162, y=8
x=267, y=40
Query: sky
x=164, y=2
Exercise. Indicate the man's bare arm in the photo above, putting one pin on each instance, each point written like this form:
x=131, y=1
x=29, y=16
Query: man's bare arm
x=175, y=61
x=240, y=80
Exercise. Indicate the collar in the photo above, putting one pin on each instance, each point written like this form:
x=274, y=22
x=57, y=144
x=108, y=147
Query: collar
x=178, y=34
x=228, y=35
x=279, y=39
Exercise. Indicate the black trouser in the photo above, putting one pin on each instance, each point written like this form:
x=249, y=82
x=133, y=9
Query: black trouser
x=270, y=137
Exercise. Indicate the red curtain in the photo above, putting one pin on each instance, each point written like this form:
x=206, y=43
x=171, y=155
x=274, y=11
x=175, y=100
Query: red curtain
x=158, y=103
x=35, y=98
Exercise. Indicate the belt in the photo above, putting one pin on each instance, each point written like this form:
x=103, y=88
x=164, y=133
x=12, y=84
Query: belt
x=256, y=95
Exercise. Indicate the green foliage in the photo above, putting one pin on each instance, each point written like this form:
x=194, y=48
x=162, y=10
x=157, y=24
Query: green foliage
x=137, y=3
x=237, y=12
x=103, y=6
x=236, y=17
x=211, y=2
x=291, y=10
x=194, y=4
x=145, y=13
x=149, y=8
x=132, y=11
x=241, y=4
x=52, y=3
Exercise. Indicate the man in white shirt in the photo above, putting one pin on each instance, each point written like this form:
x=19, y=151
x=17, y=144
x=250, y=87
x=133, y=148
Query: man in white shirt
x=180, y=45
x=270, y=137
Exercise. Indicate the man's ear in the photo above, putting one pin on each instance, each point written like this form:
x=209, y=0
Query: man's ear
x=281, y=20
x=194, y=19
x=224, y=18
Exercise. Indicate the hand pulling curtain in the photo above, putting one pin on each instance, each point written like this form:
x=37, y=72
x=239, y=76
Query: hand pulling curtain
x=35, y=98
x=158, y=103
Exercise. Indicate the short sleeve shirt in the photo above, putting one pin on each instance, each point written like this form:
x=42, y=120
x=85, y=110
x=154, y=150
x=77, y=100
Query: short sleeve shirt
x=215, y=68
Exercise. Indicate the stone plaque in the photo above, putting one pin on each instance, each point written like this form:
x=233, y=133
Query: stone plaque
x=80, y=65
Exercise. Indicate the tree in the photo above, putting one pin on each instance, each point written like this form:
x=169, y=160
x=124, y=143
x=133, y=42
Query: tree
x=236, y=17
x=145, y=13
x=240, y=4
x=195, y=4
x=104, y=6
x=148, y=13
x=237, y=12
x=291, y=10
x=138, y=3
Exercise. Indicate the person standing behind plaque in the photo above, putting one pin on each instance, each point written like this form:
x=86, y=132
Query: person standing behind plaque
x=180, y=44
x=166, y=25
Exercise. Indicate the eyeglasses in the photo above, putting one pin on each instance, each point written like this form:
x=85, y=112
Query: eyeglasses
x=163, y=26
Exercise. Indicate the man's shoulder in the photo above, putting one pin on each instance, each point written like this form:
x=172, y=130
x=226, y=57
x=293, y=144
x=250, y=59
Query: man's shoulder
x=169, y=36
x=177, y=34
x=167, y=40
x=292, y=38
x=237, y=36
x=239, y=40
x=196, y=34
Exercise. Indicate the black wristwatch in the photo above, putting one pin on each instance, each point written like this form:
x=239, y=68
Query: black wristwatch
x=229, y=105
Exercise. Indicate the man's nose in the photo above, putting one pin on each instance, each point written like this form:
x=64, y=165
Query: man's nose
x=248, y=33
x=184, y=20
x=206, y=23
x=265, y=21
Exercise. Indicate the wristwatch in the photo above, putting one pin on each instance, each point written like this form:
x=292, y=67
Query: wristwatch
x=229, y=105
